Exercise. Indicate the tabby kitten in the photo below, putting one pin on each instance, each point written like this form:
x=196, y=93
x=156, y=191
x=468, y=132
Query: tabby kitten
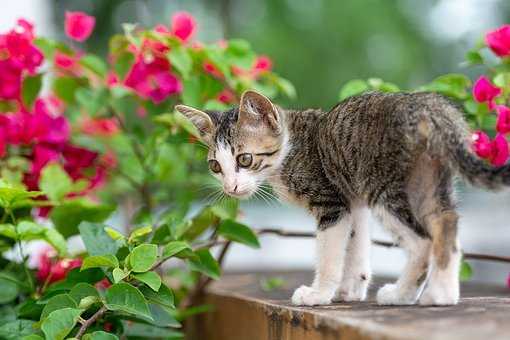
x=395, y=154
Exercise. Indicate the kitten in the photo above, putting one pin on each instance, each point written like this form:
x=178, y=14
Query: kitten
x=395, y=154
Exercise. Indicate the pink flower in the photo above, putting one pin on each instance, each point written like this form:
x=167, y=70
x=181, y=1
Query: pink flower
x=183, y=26
x=112, y=79
x=508, y=281
x=262, y=64
x=496, y=151
x=226, y=96
x=211, y=69
x=104, y=127
x=67, y=62
x=10, y=80
x=484, y=91
x=501, y=151
x=503, y=123
x=499, y=41
x=153, y=79
x=18, y=44
x=79, y=26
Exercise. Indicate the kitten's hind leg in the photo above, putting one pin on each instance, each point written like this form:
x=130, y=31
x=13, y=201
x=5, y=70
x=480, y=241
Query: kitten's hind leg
x=357, y=271
x=332, y=242
x=443, y=286
x=407, y=289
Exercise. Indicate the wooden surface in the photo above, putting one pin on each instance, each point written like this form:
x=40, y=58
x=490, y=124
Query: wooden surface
x=243, y=311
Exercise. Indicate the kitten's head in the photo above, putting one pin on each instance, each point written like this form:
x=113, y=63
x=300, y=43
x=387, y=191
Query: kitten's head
x=245, y=143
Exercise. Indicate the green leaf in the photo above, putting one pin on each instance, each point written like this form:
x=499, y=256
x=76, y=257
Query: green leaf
x=8, y=289
x=55, y=182
x=60, y=323
x=58, y=302
x=107, y=260
x=474, y=57
x=199, y=224
x=453, y=85
x=352, y=88
x=119, y=275
x=94, y=64
x=8, y=230
x=124, y=297
x=13, y=196
x=15, y=330
x=286, y=87
x=206, y=264
x=143, y=257
x=181, y=60
x=466, y=272
x=82, y=290
x=139, y=233
x=238, y=232
x=88, y=301
x=30, y=89
x=92, y=100
x=175, y=247
x=191, y=92
x=32, y=337
x=228, y=208
x=100, y=335
x=70, y=214
x=164, y=296
x=239, y=53
x=144, y=331
x=114, y=234
x=162, y=316
x=97, y=241
x=123, y=64
x=56, y=239
x=65, y=88
x=272, y=283
x=151, y=279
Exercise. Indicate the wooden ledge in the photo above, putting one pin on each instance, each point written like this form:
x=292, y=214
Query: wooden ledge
x=243, y=311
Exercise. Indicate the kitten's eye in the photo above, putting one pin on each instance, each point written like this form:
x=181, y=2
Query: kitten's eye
x=244, y=160
x=214, y=166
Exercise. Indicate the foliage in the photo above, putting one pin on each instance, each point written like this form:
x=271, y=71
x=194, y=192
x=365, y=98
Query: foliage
x=107, y=133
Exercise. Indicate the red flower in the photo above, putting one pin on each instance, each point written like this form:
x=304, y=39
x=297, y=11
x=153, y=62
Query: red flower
x=100, y=126
x=211, y=69
x=499, y=41
x=262, y=64
x=226, y=96
x=484, y=91
x=79, y=26
x=112, y=79
x=496, y=151
x=503, y=123
x=50, y=269
x=183, y=26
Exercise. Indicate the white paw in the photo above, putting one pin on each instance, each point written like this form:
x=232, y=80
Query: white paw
x=437, y=296
x=308, y=296
x=352, y=290
x=389, y=294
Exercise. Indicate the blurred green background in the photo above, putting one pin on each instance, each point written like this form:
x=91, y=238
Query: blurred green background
x=320, y=44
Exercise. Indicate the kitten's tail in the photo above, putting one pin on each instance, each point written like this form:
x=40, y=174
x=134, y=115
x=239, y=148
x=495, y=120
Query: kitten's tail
x=455, y=136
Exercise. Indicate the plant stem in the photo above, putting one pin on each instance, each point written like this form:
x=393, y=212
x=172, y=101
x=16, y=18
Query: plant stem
x=87, y=323
x=21, y=252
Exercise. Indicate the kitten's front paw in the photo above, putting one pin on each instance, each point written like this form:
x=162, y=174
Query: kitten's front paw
x=352, y=290
x=308, y=296
x=440, y=296
x=389, y=294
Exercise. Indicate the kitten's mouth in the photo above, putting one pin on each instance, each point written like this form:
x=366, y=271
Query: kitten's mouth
x=240, y=194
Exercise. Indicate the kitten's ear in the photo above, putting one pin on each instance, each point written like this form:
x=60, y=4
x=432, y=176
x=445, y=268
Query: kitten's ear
x=256, y=108
x=200, y=119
